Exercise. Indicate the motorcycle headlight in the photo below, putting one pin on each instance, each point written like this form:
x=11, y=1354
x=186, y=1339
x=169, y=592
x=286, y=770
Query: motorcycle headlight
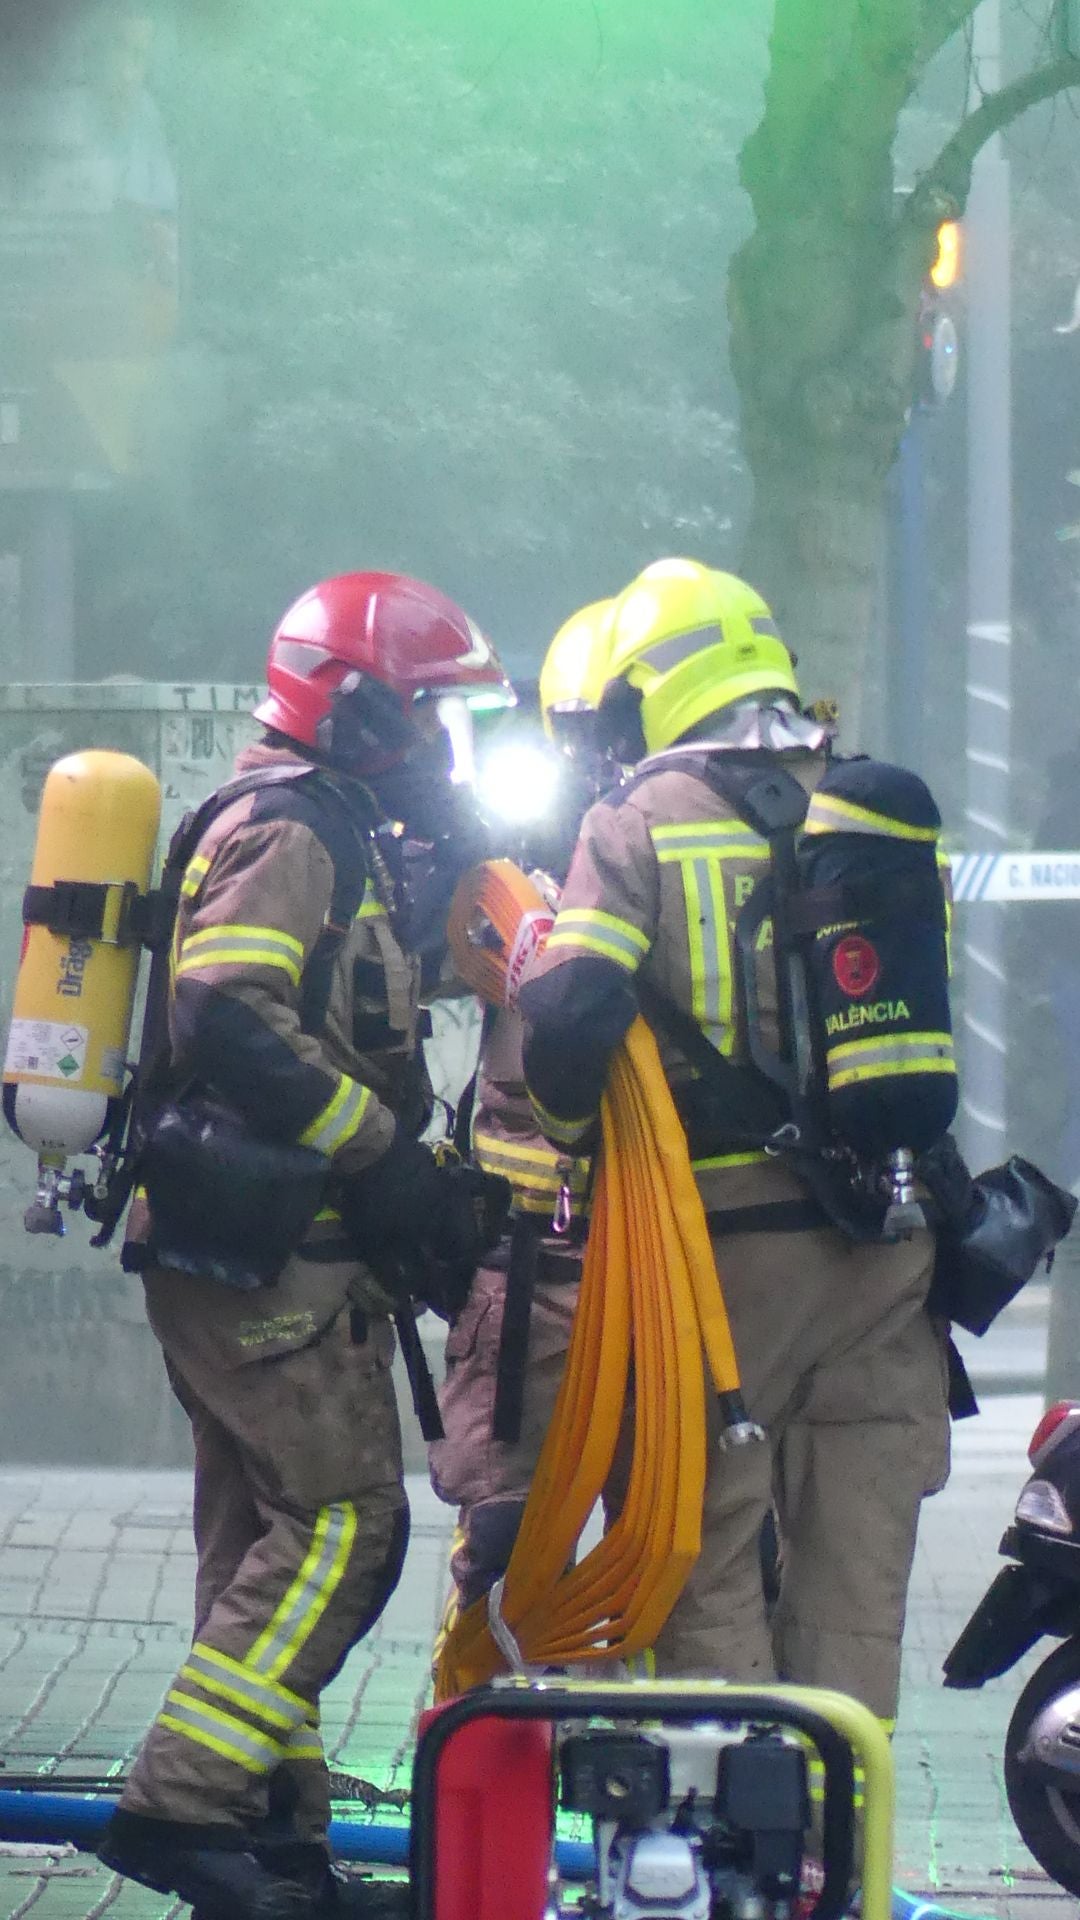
x=1041, y=1505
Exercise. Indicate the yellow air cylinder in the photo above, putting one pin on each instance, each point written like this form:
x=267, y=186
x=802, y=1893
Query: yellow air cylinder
x=71, y=1020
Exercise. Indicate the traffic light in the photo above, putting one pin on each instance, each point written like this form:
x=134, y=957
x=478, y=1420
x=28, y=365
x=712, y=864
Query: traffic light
x=945, y=272
x=938, y=359
x=1067, y=22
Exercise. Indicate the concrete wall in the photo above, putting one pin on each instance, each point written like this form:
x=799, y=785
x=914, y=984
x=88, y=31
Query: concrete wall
x=81, y=1379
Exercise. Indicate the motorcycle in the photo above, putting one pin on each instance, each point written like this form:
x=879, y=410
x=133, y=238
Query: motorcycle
x=1037, y=1594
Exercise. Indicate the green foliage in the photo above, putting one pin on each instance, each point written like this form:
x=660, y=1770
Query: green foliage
x=455, y=282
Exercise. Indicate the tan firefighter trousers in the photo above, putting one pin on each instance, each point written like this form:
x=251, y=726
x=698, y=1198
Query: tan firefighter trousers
x=488, y=1480
x=300, y=1527
x=845, y=1371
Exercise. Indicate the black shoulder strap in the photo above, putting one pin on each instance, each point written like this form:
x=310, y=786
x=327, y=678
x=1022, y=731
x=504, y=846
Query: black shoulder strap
x=316, y=802
x=303, y=793
x=746, y=1097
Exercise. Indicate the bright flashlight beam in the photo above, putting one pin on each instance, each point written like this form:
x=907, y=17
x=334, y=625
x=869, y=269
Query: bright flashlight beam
x=517, y=784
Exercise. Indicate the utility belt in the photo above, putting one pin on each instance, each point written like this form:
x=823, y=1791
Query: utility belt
x=527, y=1258
x=771, y=1216
x=222, y=1203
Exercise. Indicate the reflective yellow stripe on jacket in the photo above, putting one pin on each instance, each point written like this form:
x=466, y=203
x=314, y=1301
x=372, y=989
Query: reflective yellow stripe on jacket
x=371, y=907
x=588, y=930
x=339, y=1119
x=568, y=1133
x=701, y=848
x=537, y=1173
x=232, y=946
x=194, y=874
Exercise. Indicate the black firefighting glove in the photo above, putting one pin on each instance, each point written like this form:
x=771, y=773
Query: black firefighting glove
x=946, y=1175
x=424, y=1225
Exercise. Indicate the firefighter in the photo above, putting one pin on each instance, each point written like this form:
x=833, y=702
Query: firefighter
x=840, y=1362
x=293, y=1006
x=503, y=1369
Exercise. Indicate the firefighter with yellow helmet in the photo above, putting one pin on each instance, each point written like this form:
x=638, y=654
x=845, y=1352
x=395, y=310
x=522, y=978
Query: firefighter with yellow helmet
x=840, y=1362
x=505, y=1353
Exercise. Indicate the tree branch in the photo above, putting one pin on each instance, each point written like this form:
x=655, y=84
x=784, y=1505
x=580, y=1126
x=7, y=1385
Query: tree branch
x=941, y=19
x=949, y=178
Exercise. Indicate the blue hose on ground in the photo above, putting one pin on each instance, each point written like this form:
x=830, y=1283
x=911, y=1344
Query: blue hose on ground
x=29, y=1813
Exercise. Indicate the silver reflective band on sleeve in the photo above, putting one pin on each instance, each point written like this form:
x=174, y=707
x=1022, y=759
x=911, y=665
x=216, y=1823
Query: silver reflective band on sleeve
x=589, y=930
x=236, y=946
x=567, y=1132
x=339, y=1119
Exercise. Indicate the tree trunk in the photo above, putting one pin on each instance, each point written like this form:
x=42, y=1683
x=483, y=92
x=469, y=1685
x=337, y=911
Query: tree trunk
x=823, y=301
x=814, y=546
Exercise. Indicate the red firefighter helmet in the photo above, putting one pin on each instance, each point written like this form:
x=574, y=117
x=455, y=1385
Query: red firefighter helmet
x=353, y=656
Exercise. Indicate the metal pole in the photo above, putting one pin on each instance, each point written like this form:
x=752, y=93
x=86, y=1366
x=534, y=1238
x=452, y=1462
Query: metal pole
x=909, y=610
x=984, y=1057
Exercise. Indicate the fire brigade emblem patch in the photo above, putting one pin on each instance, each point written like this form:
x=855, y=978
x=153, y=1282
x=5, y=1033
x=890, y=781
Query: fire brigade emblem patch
x=856, y=966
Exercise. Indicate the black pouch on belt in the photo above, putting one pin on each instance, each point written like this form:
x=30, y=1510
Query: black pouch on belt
x=223, y=1203
x=990, y=1247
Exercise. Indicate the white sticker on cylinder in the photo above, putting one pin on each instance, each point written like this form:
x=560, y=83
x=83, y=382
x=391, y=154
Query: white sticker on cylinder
x=51, y=1049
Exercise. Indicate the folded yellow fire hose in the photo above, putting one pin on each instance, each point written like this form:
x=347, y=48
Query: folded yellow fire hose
x=649, y=1303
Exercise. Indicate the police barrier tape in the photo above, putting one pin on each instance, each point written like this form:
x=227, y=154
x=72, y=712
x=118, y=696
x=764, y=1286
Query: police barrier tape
x=1015, y=876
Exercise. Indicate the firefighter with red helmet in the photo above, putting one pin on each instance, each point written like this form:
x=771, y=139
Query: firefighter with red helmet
x=292, y=1048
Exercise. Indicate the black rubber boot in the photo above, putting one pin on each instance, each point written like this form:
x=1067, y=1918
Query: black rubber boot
x=336, y=1893
x=213, y=1867
x=345, y=1894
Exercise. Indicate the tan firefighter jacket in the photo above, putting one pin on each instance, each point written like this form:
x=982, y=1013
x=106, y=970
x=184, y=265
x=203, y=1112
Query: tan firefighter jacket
x=506, y=1138
x=658, y=876
x=255, y=898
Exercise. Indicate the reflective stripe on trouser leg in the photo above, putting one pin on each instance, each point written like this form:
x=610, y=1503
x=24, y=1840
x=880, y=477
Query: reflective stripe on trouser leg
x=209, y=1757
x=302, y=1782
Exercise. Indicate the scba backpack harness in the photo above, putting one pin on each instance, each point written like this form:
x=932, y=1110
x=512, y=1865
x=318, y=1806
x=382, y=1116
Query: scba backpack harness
x=863, y=1079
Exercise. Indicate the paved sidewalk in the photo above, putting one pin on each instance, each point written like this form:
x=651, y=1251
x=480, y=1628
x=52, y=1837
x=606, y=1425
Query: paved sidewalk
x=95, y=1579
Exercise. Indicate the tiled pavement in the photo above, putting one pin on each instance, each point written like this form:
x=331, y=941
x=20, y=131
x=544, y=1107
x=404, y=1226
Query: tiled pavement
x=95, y=1574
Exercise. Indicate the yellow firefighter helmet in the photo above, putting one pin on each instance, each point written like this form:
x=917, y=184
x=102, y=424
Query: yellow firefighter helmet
x=574, y=672
x=692, y=640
